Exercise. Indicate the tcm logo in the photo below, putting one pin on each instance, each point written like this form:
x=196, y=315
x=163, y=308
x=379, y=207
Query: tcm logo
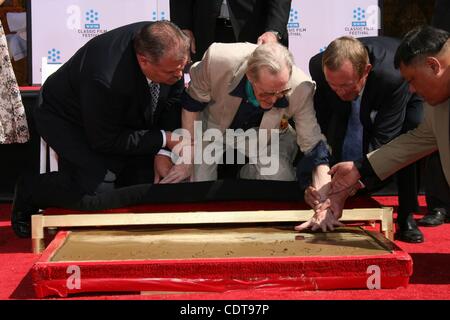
x=85, y=23
x=54, y=56
x=92, y=20
x=293, y=19
x=365, y=21
x=293, y=25
x=359, y=17
x=162, y=15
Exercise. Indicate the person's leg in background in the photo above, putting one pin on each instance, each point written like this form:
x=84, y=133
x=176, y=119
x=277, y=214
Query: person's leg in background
x=437, y=193
x=407, y=197
x=80, y=172
x=407, y=182
x=224, y=31
x=436, y=187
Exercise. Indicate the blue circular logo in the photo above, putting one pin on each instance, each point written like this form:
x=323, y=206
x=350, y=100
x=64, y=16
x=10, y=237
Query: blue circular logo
x=91, y=16
x=359, y=14
x=293, y=16
x=54, y=56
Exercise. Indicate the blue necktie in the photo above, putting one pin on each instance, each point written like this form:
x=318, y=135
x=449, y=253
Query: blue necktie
x=352, y=148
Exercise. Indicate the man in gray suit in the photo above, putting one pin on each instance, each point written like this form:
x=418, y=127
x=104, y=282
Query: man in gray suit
x=253, y=88
x=424, y=61
x=436, y=208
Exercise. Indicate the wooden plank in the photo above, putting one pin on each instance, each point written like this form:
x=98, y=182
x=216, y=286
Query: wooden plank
x=82, y=220
x=39, y=222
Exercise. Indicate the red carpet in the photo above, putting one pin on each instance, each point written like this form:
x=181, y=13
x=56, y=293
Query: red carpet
x=431, y=278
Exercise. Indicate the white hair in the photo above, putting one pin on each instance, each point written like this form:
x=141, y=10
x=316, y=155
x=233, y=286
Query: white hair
x=272, y=56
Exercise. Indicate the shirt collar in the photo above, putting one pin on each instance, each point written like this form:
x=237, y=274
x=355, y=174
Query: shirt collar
x=360, y=94
x=239, y=92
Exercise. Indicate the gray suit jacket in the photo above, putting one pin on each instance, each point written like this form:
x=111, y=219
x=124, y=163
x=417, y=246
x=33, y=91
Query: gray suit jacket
x=221, y=70
x=219, y=73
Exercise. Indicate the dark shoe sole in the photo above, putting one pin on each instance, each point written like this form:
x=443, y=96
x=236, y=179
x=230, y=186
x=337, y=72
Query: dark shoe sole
x=410, y=240
x=426, y=224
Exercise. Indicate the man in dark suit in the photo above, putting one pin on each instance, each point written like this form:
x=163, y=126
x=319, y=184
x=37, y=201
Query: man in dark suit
x=362, y=103
x=208, y=21
x=423, y=58
x=108, y=112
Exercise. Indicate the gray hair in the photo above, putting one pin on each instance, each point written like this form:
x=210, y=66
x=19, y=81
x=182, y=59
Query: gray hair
x=272, y=56
x=161, y=38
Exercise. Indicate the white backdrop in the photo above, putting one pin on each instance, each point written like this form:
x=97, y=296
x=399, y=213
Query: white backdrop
x=60, y=27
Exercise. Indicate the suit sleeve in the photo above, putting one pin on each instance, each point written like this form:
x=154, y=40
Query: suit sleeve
x=277, y=15
x=181, y=13
x=309, y=137
x=389, y=120
x=323, y=111
x=198, y=93
x=306, y=126
x=405, y=149
x=102, y=113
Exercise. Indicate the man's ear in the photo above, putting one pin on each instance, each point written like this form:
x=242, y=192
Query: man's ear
x=141, y=58
x=434, y=64
x=249, y=77
x=367, y=69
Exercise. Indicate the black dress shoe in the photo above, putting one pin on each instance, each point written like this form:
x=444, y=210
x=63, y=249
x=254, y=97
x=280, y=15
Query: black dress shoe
x=434, y=218
x=408, y=231
x=22, y=211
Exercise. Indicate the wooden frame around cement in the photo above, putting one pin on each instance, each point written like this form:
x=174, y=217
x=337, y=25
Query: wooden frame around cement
x=40, y=222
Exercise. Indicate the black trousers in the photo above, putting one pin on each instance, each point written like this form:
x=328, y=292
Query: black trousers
x=407, y=178
x=436, y=186
x=224, y=31
x=82, y=171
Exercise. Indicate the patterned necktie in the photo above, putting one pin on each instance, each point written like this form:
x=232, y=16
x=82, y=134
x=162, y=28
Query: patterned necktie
x=352, y=148
x=154, y=92
x=154, y=95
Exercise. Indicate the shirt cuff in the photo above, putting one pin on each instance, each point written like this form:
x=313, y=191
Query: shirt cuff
x=190, y=104
x=174, y=157
x=166, y=153
x=164, y=139
x=369, y=178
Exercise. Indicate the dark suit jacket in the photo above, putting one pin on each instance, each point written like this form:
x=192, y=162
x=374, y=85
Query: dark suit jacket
x=103, y=90
x=250, y=19
x=384, y=103
x=441, y=15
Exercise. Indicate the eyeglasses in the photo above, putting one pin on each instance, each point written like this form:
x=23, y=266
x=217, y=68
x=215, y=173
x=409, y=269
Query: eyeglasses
x=278, y=94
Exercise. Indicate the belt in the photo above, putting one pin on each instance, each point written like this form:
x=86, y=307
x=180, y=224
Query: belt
x=223, y=22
